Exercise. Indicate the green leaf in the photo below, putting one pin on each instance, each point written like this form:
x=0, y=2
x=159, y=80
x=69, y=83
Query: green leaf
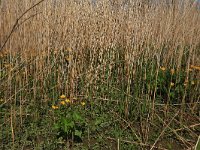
x=172, y=94
x=67, y=125
x=56, y=126
x=99, y=120
x=77, y=117
x=78, y=133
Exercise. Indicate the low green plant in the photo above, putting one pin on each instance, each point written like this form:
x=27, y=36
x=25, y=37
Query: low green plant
x=70, y=119
x=172, y=85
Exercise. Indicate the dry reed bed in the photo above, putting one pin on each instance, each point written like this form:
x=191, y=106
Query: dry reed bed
x=91, y=33
x=81, y=25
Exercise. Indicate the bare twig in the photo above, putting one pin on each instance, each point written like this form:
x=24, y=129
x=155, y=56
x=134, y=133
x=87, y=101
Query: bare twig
x=137, y=143
x=28, y=18
x=17, y=23
x=191, y=126
x=198, y=143
x=129, y=125
x=163, y=131
x=180, y=138
x=11, y=124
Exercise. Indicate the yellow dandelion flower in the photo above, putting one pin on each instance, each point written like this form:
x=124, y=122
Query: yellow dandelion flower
x=83, y=103
x=67, y=100
x=62, y=102
x=162, y=68
x=172, y=71
x=192, y=82
x=171, y=84
x=62, y=96
x=54, y=107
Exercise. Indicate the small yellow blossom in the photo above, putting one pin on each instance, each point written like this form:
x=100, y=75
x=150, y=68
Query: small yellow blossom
x=54, y=107
x=192, y=82
x=67, y=100
x=163, y=68
x=83, y=103
x=171, y=84
x=172, y=71
x=62, y=102
x=62, y=96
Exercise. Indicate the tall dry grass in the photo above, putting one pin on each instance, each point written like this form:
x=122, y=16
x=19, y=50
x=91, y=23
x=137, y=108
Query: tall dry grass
x=91, y=32
x=80, y=26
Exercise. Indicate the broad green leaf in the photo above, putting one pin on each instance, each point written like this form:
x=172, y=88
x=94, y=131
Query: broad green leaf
x=78, y=133
x=56, y=126
x=77, y=117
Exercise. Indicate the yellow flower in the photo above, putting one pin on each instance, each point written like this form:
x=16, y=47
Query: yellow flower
x=83, y=103
x=172, y=71
x=67, y=100
x=62, y=102
x=163, y=68
x=62, y=96
x=171, y=84
x=54, y=107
